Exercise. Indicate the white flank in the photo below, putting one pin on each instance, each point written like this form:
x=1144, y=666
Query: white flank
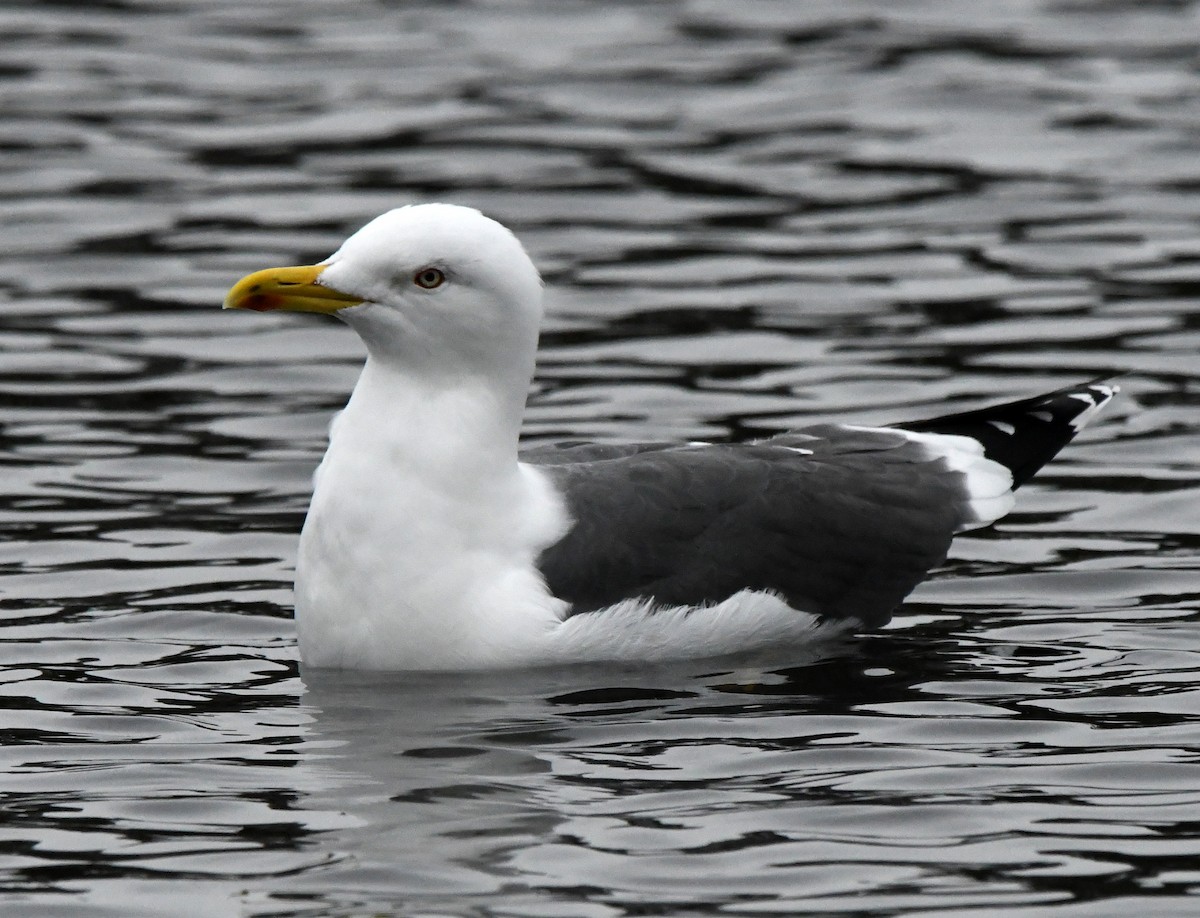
x=638, y=629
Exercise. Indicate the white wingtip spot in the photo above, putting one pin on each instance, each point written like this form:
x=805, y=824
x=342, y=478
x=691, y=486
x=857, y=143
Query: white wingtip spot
x=1004, y=427
x=1096, y=397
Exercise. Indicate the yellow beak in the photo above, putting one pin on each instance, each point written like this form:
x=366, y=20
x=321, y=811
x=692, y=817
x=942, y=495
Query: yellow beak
x=293, y=289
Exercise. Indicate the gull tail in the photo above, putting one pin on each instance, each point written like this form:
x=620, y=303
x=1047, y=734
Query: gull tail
x=1025, y=435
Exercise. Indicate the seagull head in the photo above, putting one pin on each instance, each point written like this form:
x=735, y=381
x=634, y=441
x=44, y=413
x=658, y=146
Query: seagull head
x=431, y=287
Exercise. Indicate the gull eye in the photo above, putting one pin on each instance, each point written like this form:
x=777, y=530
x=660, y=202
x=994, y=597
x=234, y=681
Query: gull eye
x=429, y=278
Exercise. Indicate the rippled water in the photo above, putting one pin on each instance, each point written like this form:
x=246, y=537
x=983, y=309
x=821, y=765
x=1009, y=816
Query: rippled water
x=750, y=215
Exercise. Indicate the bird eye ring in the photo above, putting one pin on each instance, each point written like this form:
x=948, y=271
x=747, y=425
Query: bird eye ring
x=429, y=278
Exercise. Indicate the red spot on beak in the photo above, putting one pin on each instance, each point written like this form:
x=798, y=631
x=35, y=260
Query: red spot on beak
x=262, y=302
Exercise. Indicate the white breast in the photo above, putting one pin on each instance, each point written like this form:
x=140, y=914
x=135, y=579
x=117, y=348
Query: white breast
x=421, y=554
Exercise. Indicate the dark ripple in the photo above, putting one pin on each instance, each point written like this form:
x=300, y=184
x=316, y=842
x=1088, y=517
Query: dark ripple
x=751, y=216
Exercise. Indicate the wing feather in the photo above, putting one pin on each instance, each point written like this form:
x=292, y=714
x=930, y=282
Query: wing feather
x=842, y=522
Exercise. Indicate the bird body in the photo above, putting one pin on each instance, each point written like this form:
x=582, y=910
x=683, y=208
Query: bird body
x=432, y=543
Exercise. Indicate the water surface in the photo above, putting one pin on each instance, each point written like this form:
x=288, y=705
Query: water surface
x=749, y=217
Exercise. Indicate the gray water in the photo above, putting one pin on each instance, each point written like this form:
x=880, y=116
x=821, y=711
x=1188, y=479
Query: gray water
x=750, y=216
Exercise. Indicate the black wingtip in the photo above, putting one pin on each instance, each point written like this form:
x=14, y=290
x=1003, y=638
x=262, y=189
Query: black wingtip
x=1025, y=435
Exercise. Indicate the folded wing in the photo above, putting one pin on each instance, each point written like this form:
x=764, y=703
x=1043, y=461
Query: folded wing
x=841, y=521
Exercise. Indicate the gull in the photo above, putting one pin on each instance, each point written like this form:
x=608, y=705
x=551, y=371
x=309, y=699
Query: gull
x=434, y=543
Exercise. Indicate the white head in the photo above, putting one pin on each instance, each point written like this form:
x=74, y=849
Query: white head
x=432, y=288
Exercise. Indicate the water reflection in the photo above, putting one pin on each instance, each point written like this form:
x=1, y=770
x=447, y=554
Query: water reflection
x=885, y=773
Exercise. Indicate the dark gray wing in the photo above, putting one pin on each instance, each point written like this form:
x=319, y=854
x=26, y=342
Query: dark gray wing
x=841, y=522
x=570, y=452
